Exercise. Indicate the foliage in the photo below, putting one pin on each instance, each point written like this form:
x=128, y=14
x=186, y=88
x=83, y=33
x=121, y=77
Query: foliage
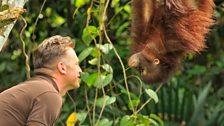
x=110, y=93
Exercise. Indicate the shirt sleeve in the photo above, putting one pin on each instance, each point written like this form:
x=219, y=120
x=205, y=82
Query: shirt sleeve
x=46, y=108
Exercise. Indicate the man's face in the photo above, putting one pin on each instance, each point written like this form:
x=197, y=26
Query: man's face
x=73, y=69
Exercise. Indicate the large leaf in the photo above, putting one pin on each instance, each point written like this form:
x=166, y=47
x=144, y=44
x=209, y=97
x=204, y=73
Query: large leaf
x=81, y=116
x=152, y=94
x=99, y=82
x=133, y=96
x=105, y=122
x=105, y=48
x=89, y=34
x=107, y=79
x=134, y=102
x=103, y=80
x=91, y=79
x=157, y=119
x=80, y=3
x=85, y=53
x=105, y=100
x=58, y=20
x=16, y=54
x=126, y=121
x=2, y=66
x=93, y=61
x=107, y=68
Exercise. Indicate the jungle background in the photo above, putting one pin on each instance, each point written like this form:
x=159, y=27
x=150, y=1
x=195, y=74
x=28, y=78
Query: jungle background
x=111, y=94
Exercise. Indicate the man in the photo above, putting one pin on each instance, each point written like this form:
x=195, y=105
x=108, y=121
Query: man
x=37, y=101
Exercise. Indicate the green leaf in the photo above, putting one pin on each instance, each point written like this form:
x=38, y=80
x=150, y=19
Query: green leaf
x=199, y=105
x=79, y=3
x=99, y=81
x=16, y=54
x=95, y=52
x=107, y=68
x=152, y=94
x=157, y=119
x=115, y=3
x=91, y=79
x=103, y=80
x=2, y=66
x=81, y=116
x=27, y=34
x=89, y=33
x=197, y=70
x=106, y=99
x=85, y=53
x=127, y=8
x=84, y=76
x=107, y=79
x=105, y=48
x=135, y=103
x=220, y=92
x=57, y=20
x=105, y=122
x=48, y=11
x=122, y=28
x=133, y=96
x=143, y=120
x=93, y=61
x=127, y=121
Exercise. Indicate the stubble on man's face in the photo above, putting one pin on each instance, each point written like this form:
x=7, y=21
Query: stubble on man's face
x=73, y=69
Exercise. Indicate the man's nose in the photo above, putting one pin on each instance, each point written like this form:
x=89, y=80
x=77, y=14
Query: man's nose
x=80, y=70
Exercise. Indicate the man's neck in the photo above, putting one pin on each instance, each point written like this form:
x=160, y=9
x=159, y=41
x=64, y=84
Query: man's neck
x=59, y=83
x=50, y=73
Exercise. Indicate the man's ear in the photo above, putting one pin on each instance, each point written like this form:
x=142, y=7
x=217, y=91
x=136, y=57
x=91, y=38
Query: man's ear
x=62, y=68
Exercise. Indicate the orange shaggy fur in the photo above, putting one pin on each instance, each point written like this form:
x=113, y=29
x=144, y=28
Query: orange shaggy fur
x=167, y=30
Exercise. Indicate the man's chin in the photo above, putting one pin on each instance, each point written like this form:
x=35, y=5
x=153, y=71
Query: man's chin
x=76, y=85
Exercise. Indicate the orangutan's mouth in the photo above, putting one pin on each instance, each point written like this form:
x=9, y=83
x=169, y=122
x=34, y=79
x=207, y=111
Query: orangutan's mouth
x=142, y=70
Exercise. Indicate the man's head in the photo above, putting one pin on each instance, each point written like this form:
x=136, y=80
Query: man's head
x=51, y=50
x=56, y=54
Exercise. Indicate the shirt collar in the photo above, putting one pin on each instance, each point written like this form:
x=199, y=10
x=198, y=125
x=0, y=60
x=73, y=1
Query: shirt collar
x=46, y=74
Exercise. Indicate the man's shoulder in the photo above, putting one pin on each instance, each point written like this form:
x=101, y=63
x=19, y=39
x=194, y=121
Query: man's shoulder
x=32, y=87
x=39, y=85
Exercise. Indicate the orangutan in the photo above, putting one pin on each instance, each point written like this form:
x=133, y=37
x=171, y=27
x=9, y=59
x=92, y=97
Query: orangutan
x=164, y=31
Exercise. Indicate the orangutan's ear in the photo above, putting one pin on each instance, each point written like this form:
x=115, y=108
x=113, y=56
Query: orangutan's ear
x=156, y=61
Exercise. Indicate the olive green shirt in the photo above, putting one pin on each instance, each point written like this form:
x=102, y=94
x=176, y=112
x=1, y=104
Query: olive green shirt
x=33, y=102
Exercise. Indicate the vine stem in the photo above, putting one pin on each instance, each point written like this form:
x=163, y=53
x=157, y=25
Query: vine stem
x=37, y=19
x=123, y=68
x=87, y=106
x=24, y=49
x=94, y=106
x=72, y=100
x=121, y=8
x=140, y=88
x=147, y=100
x=87, y=25
x=100, y=42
